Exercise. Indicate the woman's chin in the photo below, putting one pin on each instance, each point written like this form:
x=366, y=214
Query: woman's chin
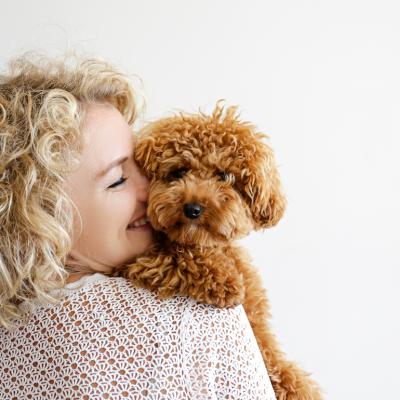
x=141, y=238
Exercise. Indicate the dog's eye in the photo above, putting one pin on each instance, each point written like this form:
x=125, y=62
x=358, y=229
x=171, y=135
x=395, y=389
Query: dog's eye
x=240, y=189
x=177, y=173
x=223, y=176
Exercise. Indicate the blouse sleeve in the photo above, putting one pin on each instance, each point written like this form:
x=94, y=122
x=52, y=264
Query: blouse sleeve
x=221, y=357
x=111, y=340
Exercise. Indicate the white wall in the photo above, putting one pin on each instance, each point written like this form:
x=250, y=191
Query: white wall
x=322, y=79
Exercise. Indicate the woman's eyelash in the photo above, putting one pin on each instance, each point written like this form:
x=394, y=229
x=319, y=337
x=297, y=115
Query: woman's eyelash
x=119, y=182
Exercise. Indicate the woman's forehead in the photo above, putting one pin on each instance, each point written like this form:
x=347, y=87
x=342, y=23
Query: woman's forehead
x=107, y=136
x=106, y=125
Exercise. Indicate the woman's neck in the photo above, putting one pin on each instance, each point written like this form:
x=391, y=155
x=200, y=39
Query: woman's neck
x=74, y=277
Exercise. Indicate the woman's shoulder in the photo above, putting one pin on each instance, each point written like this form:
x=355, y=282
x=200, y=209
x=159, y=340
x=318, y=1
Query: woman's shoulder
x=117, y=301
x=105, y=294
x=105, y=331
x=100, y=308
x=104, y=314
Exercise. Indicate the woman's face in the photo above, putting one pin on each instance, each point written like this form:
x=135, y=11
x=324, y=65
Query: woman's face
x=108, y=203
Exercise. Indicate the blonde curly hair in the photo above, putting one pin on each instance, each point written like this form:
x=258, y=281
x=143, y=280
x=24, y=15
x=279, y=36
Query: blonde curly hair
x=42, y=107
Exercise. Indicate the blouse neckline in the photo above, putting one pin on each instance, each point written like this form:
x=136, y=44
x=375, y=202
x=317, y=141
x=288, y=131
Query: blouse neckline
x=73, y=286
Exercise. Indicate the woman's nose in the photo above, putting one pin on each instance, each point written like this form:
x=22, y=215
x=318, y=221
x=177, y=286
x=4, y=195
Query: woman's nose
x=141, y=185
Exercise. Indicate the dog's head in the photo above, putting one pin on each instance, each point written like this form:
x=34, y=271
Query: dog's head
x=213, y=179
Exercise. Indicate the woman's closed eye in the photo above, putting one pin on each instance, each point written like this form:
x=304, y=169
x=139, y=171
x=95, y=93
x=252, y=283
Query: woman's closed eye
x=119, y=182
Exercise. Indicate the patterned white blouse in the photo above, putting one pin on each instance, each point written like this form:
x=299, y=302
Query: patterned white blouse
x=107, y=339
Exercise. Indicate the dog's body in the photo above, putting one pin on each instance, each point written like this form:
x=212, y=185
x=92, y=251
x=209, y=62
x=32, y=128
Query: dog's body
x=212, y=181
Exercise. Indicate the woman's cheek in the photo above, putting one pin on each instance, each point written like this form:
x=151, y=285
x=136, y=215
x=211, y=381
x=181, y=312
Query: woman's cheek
x=125, y=207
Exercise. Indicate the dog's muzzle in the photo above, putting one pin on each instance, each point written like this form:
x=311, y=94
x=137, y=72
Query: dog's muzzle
x=192, y=210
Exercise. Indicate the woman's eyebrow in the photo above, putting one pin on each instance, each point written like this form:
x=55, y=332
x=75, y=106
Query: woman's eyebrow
x=116, y=162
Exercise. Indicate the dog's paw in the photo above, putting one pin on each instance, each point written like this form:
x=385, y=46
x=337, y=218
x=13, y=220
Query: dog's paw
x=233, y=296
x=145, y=272
x=228, y=293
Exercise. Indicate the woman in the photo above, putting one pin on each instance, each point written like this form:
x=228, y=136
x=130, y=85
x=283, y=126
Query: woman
x=72, y=208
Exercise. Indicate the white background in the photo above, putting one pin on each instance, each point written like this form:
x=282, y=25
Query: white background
x=322, y=79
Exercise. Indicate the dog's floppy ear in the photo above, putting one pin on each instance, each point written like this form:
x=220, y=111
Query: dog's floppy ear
x=262, y=187
x=151, y=143
x=155, y=144
x=145, y=154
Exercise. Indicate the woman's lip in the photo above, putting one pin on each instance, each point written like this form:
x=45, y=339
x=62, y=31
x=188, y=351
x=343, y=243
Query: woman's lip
x=136, y=219
x=141, y=227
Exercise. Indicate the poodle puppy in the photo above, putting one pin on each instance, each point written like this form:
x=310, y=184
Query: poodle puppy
x=213, y=180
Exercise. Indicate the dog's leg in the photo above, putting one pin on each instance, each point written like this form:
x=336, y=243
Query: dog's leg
x=153, y=271
x=205, y=275
x=289, y=381
x=212, y=277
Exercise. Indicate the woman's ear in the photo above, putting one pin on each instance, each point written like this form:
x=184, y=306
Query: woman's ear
x=263, y=189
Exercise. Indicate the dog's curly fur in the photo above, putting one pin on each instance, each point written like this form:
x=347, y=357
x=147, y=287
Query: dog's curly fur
x=220, y=166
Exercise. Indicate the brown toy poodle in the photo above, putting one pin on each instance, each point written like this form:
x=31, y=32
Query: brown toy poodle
x=213, y=180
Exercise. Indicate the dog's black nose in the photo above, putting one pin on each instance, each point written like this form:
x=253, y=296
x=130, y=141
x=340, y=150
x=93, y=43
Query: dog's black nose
x=192, y=210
